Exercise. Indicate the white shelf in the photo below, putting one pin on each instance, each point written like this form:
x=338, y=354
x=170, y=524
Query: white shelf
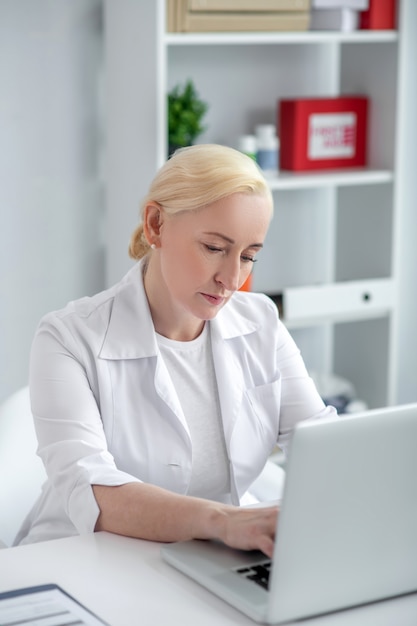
x=330, y=178
x=309, y=322
x=305, y=37
x=336, y=228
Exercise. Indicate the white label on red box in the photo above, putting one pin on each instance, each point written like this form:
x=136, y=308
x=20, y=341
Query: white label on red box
x=332, y=135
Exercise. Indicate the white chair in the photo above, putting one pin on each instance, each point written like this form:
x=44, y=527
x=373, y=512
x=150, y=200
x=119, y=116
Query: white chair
x=21, y=470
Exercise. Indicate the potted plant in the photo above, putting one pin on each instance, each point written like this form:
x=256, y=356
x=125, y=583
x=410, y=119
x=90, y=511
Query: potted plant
x=185, y=114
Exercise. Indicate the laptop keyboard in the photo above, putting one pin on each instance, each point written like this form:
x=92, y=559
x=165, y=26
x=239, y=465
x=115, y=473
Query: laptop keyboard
x=258, y=573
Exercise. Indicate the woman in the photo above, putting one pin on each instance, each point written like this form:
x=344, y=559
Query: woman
x=158, y=401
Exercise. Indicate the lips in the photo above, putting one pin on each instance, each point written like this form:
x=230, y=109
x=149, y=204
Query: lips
x=213, y=299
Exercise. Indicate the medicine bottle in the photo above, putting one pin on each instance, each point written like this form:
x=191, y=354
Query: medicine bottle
x=267, y=148
x=248, y=145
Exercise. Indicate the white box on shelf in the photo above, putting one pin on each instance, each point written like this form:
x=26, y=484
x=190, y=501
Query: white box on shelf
x=344, y=20
x=359, y=5
x=343, y=301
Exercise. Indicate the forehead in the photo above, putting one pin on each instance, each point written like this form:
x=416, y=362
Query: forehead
x=239, y=209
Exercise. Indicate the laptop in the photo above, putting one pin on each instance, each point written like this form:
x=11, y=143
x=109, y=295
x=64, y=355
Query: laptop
x=347, y=528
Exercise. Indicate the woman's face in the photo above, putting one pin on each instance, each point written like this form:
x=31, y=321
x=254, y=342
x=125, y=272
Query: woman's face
x=206, y=255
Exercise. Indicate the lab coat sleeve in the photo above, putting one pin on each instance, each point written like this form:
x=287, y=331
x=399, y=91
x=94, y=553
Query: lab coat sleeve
x=300, y=400
x=71, y=437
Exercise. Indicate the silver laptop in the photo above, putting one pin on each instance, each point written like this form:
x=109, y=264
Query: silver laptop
x=347, y=528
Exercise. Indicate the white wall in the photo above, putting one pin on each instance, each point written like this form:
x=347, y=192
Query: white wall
x=132, y=125
x=50, y=197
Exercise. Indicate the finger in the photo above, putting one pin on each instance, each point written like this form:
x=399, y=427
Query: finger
x=266, y=545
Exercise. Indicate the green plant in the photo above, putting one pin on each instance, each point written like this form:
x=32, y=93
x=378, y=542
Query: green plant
x=185, y=114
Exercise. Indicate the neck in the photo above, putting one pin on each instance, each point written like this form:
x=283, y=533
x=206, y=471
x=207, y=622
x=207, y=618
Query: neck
x=169, y=320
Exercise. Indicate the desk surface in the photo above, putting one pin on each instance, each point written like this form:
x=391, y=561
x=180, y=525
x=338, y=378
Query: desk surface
x=126, y=583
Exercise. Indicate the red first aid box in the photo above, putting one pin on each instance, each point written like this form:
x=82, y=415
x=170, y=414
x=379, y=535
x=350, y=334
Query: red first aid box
x=322, y=133
x=380, y=15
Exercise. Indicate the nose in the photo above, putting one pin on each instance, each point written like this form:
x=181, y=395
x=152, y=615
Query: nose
x=229, y=273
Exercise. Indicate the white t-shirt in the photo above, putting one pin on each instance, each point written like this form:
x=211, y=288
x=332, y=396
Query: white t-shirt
x=190, y=365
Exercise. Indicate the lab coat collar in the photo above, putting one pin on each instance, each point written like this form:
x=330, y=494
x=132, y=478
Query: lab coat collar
x=232, y=321
x=131, y=333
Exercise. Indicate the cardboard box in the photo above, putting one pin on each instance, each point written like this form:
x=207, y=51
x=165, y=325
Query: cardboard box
x=198, y=22
x=200, y=16
x=322, y=133
x=249, y=5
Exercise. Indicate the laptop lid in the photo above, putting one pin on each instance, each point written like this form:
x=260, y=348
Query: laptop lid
x=346, y=531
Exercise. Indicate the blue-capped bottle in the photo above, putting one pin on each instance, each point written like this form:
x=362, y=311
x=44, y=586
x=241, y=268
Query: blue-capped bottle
x=267, y=149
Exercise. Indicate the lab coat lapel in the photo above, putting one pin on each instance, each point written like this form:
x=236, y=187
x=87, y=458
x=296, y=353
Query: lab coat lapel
x=166, y=390
x=131, y=335
x=229, y=382
x=230, y=389
x=226, y=330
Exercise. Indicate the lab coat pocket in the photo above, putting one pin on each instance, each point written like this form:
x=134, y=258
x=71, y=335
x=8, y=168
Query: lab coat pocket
x=263, y=404
x=255, y=433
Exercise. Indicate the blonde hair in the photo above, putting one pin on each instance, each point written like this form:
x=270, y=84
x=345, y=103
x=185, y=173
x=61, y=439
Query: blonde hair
x=195, y=177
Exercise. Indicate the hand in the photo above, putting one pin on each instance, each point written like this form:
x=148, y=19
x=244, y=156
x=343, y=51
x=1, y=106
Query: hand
x=249, y=529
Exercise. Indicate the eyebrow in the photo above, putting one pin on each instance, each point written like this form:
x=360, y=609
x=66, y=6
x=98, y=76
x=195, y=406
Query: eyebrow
x=232, y=241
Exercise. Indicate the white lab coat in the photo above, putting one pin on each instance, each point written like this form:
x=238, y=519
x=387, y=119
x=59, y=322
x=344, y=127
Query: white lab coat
x=106, y=411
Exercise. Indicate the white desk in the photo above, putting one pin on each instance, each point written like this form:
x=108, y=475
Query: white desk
x=126, y=583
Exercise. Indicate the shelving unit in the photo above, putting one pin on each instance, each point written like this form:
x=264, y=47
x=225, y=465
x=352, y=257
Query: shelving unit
x=330, y=252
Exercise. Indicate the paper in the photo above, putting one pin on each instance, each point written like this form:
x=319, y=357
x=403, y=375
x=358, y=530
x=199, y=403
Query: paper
x=46, y=605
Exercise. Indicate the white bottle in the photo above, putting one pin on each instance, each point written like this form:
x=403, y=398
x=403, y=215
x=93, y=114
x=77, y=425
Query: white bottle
x=267, y=148
x=248, y=145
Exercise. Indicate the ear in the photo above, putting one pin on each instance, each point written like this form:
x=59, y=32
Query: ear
x=152, y=222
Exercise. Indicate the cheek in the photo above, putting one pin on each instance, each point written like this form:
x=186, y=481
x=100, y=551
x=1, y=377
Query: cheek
x=246, y=273
x=182, y=267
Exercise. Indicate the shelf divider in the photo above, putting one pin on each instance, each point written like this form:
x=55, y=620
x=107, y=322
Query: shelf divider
x=329, y=178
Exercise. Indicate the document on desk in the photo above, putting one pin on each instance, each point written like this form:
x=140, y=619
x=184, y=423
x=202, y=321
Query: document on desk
x=44, y=605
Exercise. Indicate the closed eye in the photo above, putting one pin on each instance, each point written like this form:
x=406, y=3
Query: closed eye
x=248, y=259
x=245, y=258
x=213, y=248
